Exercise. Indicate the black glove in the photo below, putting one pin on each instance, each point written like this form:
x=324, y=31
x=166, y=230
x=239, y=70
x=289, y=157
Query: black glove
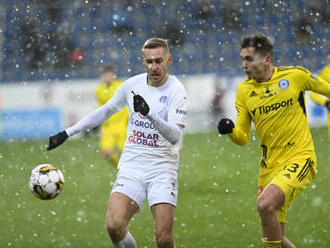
x=327, y=105
x=225, y=126
x=140, y=105
x=57, y=139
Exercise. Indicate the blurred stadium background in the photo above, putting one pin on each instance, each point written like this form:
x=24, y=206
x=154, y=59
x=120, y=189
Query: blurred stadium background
x=50, y=59
x=52, y=51
x=59, y=39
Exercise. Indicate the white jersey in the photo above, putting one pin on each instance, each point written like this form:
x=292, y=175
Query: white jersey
x=145, y=146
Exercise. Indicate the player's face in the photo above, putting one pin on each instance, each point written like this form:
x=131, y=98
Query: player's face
x=156, y=62
x=254, y=64
x=107, y=77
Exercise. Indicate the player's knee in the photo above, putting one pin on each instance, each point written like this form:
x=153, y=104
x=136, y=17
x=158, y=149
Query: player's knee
x=106, y=153
x=115, y=226
x=164, y=238
x=265, y=207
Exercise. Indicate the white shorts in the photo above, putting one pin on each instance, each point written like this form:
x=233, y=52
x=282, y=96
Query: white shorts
x=156, y=186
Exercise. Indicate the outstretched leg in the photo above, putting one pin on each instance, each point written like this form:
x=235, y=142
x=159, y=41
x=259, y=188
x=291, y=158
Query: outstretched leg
x=121, y=208
x=269, y=202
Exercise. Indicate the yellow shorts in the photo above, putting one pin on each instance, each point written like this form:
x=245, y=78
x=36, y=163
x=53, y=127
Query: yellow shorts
x=113, y=138
x=292, y=178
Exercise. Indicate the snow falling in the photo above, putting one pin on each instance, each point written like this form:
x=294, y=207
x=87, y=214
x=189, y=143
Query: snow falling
x=51, y=57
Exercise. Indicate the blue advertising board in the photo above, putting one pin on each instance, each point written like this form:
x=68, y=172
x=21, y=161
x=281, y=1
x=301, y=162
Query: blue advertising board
x=317, y=115
x=30, y=124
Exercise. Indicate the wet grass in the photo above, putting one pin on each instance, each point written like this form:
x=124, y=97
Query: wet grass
x=216, y=207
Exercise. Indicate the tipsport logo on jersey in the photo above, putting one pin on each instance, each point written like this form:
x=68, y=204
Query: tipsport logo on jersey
x=265, y=109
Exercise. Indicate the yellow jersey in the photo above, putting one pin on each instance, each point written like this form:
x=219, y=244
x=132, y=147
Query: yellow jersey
x=103, y=93
x=324, y=74
x=277, y=109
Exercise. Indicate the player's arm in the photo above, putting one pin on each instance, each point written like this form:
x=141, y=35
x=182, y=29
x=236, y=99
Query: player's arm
x=242, y=130
x=90, y=121
x=239, y=133
x=169, y=130
x=317, y=98
x=314, y=83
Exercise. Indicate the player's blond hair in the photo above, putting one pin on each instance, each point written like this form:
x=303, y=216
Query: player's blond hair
x=155, y=43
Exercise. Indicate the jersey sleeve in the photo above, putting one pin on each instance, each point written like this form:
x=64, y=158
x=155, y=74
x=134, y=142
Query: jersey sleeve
x=242, y=129
x=325, y=73
x=314, y=83
x=178, y=108
x=319, y=99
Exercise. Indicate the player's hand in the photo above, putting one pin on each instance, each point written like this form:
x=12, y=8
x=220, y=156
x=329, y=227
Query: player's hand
x=57, y=140
x=225, y=126
x=327, y=105
x=140, y=105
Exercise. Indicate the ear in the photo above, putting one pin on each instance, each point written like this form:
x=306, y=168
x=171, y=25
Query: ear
x=268, y=59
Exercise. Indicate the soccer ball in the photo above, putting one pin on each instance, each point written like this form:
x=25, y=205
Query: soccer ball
x=46, y=181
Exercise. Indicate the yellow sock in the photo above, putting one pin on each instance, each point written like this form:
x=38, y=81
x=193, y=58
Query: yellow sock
x=270, y=244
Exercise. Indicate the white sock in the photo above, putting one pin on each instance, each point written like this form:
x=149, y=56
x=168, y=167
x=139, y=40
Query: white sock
x=127, y=242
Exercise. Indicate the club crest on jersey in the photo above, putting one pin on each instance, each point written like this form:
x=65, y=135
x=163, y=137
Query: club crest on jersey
x=163, y=99
x=283, y=84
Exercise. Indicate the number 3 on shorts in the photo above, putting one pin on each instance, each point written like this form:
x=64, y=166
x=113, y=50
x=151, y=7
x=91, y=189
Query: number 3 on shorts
x=293, y=168
x=301, y=171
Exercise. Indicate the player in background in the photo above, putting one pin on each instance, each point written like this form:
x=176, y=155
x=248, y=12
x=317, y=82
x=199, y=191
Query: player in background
x=325, y=74
x=113, y=130
x=148, y=167
x=273, y=98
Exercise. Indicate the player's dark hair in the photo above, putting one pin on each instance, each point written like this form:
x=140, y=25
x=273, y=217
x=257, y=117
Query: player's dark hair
x=261, y=43
x=107, y=68
x=155, y=43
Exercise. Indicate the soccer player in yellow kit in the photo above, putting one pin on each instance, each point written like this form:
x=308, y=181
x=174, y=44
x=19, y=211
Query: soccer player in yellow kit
x=324, y=74
x=113, y=131
x=273, y=98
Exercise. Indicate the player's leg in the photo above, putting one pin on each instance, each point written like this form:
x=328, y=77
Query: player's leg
x=329, y=125
x=114, y=156
x=271, y=200
x=127, y=196
x=279, y=194
x=162, y=197
x=121, y=208
x=119, y=144
x=119, y=139
x=286, y=242
x=108, y=144
x=164, y=214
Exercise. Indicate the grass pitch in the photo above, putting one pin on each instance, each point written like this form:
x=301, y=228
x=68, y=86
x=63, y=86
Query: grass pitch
x=216, y=206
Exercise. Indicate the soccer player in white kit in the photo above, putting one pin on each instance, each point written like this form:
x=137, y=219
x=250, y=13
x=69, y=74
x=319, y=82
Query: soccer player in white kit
x=148, y=167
